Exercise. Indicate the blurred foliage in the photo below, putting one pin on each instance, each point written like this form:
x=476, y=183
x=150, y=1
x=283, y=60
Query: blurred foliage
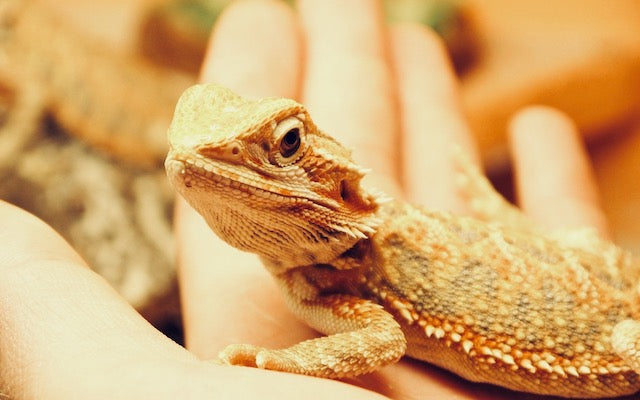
x=176, y=33
x=437, y=14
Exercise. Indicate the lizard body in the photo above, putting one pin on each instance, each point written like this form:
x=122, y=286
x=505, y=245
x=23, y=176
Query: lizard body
x=488, y=298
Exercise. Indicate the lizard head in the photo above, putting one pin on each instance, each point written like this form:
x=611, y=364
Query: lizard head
x=265, y=179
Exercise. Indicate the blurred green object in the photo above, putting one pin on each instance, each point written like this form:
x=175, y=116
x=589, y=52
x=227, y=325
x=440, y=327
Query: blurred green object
x=448, y=18
x=437, y=14
x=176, y=33
x=201, y=13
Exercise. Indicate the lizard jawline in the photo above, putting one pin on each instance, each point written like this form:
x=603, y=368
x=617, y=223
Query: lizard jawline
x=200, y=174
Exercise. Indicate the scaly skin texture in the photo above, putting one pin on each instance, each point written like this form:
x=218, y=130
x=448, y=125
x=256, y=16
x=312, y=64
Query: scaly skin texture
x=488, y=298
x=118, y=104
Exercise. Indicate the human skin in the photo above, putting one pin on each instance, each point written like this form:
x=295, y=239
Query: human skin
x=388, y=94
x=382, y=93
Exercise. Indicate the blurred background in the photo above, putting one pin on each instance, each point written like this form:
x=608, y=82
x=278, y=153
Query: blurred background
x=87, y=90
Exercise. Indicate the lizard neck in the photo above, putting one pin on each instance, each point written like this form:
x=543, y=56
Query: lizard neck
x=352, y=258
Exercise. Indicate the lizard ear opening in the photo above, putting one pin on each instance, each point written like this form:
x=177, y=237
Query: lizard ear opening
x=346, y=192
x=356, y=198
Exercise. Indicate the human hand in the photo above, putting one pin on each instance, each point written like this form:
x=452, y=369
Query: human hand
x=64, y=333
x=392, y=97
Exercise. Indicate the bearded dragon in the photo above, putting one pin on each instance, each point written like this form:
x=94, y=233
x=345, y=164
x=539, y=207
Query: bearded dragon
x=487, y=297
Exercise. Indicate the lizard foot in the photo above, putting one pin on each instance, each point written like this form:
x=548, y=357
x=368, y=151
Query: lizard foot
x=625, y=340
x=366, y=327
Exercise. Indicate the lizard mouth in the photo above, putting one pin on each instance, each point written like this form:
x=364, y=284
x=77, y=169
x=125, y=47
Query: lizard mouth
x=214, y=176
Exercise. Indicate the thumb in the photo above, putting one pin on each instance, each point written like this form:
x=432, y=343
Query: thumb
x=59, y=321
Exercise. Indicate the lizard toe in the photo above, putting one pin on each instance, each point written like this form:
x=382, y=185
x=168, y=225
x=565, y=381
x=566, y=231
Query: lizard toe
x=240, y=354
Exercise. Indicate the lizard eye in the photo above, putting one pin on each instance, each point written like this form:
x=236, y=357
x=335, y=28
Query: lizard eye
x=288, y=135
x=290, y=143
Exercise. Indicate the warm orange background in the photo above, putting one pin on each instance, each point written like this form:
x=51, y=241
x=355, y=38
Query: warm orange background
x=582, y=56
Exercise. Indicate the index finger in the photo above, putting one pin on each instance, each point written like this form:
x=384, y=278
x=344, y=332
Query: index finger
x=555, y=183
x=348, y=86
x=431, y=118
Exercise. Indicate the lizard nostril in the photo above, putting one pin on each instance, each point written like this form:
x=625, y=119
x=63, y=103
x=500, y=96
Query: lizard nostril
x=235, y=150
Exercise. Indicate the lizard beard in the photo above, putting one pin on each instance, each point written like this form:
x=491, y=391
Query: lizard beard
x=286, y=231
x=309, y=234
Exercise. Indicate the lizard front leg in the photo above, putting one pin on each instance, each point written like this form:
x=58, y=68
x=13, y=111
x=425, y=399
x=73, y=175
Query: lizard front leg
x=362, y=338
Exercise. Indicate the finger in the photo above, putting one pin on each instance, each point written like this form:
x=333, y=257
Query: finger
x=554, y=178
x=348, y=86
x=255, y=50
x=431, y=117
x=226, y=293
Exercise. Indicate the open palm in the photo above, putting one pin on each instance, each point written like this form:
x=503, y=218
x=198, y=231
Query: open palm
x=388, y=94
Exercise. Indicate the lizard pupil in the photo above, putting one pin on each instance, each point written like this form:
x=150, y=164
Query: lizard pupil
x=290, y=143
